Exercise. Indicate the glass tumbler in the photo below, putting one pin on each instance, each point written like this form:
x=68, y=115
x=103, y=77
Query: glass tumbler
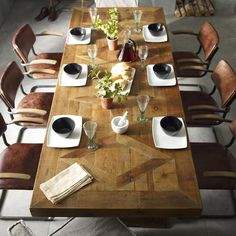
x=137, y=20
x=93, y=16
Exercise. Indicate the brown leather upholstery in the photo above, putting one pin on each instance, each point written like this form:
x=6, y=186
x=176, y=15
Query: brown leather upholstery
x=37, y=100
x=53, y=56
x=23, y=41
x=224, y=78
x=189, y=72
x=9, y=83
x=20, y=158
x=3, y=126
x=213, y=157
x=10, y=80
x=208, y=39
x=190, y=98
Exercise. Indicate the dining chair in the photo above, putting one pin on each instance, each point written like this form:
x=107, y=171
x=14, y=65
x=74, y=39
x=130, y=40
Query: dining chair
x=42, y=66
x=18, y=167
x=33, y=109
x=215, y=165
x=196, y=103
x=187, y=63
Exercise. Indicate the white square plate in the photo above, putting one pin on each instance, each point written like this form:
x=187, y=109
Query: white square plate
x=71, y=40
x=148, y=37
x=127, y=89
x=163, y=140
x=57, y=141
x=68, y=80
x=153, y=79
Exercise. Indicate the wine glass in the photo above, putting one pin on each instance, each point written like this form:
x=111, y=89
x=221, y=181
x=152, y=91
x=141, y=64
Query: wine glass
x=93, y=16
x=137, y=19
x=92, y=52
x=143, y=53
x=142, y=101
x=90, y=130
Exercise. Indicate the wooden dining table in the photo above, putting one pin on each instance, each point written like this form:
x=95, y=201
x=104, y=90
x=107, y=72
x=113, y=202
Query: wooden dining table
x=131, y=176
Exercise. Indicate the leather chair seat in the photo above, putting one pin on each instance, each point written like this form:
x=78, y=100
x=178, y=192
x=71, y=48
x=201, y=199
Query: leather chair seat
x=190, y=98
x=39, y=101
x=52, y=56
x=213, y=157
x=186, y=73
x=20, y=158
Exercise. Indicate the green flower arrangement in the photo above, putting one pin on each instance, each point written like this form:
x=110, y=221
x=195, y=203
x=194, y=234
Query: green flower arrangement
x=111, y=27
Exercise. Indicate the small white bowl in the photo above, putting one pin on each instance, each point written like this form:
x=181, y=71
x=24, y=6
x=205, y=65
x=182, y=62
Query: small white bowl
x=119, y=129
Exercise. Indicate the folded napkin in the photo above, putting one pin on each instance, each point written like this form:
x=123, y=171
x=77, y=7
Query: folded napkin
x=65, y=183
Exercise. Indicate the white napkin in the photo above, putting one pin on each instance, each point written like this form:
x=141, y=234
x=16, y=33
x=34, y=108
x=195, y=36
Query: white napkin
x=65, y=183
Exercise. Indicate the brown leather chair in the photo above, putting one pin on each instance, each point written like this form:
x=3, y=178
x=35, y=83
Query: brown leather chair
x=18, y=165
x=43, y=65
x=35, y=106
x=190, y=64
x=215, y=165
x=196, y=103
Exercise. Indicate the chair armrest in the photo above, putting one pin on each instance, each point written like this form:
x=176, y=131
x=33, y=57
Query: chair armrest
x=32, y=111
x=22, y=119
x=11, y=175
x=192, y=60
x=187, y=32
x=203, y=108
x=44, y=71
x=196, y=68
x=40, y=61
x=210, y=117
x=228, y=174
x=50, y=33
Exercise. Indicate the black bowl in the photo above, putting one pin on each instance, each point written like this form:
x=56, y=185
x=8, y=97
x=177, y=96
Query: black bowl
x=63, y=126
x=78, y=32
x=73, y=69
x=162, y=70
x=155, y=29
x=171, y=125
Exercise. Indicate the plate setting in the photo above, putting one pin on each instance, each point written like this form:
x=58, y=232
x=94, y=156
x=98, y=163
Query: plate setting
x=148, y=37
x=154, y=80
x=58, y=141
x=163, y=140
x=66, y=79
x=72, y=40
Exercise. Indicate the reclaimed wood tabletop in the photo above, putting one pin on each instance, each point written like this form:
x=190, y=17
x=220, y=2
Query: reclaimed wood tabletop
x=131, y=176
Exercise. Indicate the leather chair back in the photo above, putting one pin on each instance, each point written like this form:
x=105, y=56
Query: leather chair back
x=208, y=39
x=224, y=79
x=23, y=42
x=10, y=80
x=3, y=126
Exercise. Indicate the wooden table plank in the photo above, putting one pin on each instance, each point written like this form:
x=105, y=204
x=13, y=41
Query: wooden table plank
x=132, y=177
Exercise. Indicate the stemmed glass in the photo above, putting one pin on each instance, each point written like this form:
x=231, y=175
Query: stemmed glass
x=142, y=101
x=137, y=19
x=143, y=53
x=90, y=130
x=92, y=52
x=93, y=16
